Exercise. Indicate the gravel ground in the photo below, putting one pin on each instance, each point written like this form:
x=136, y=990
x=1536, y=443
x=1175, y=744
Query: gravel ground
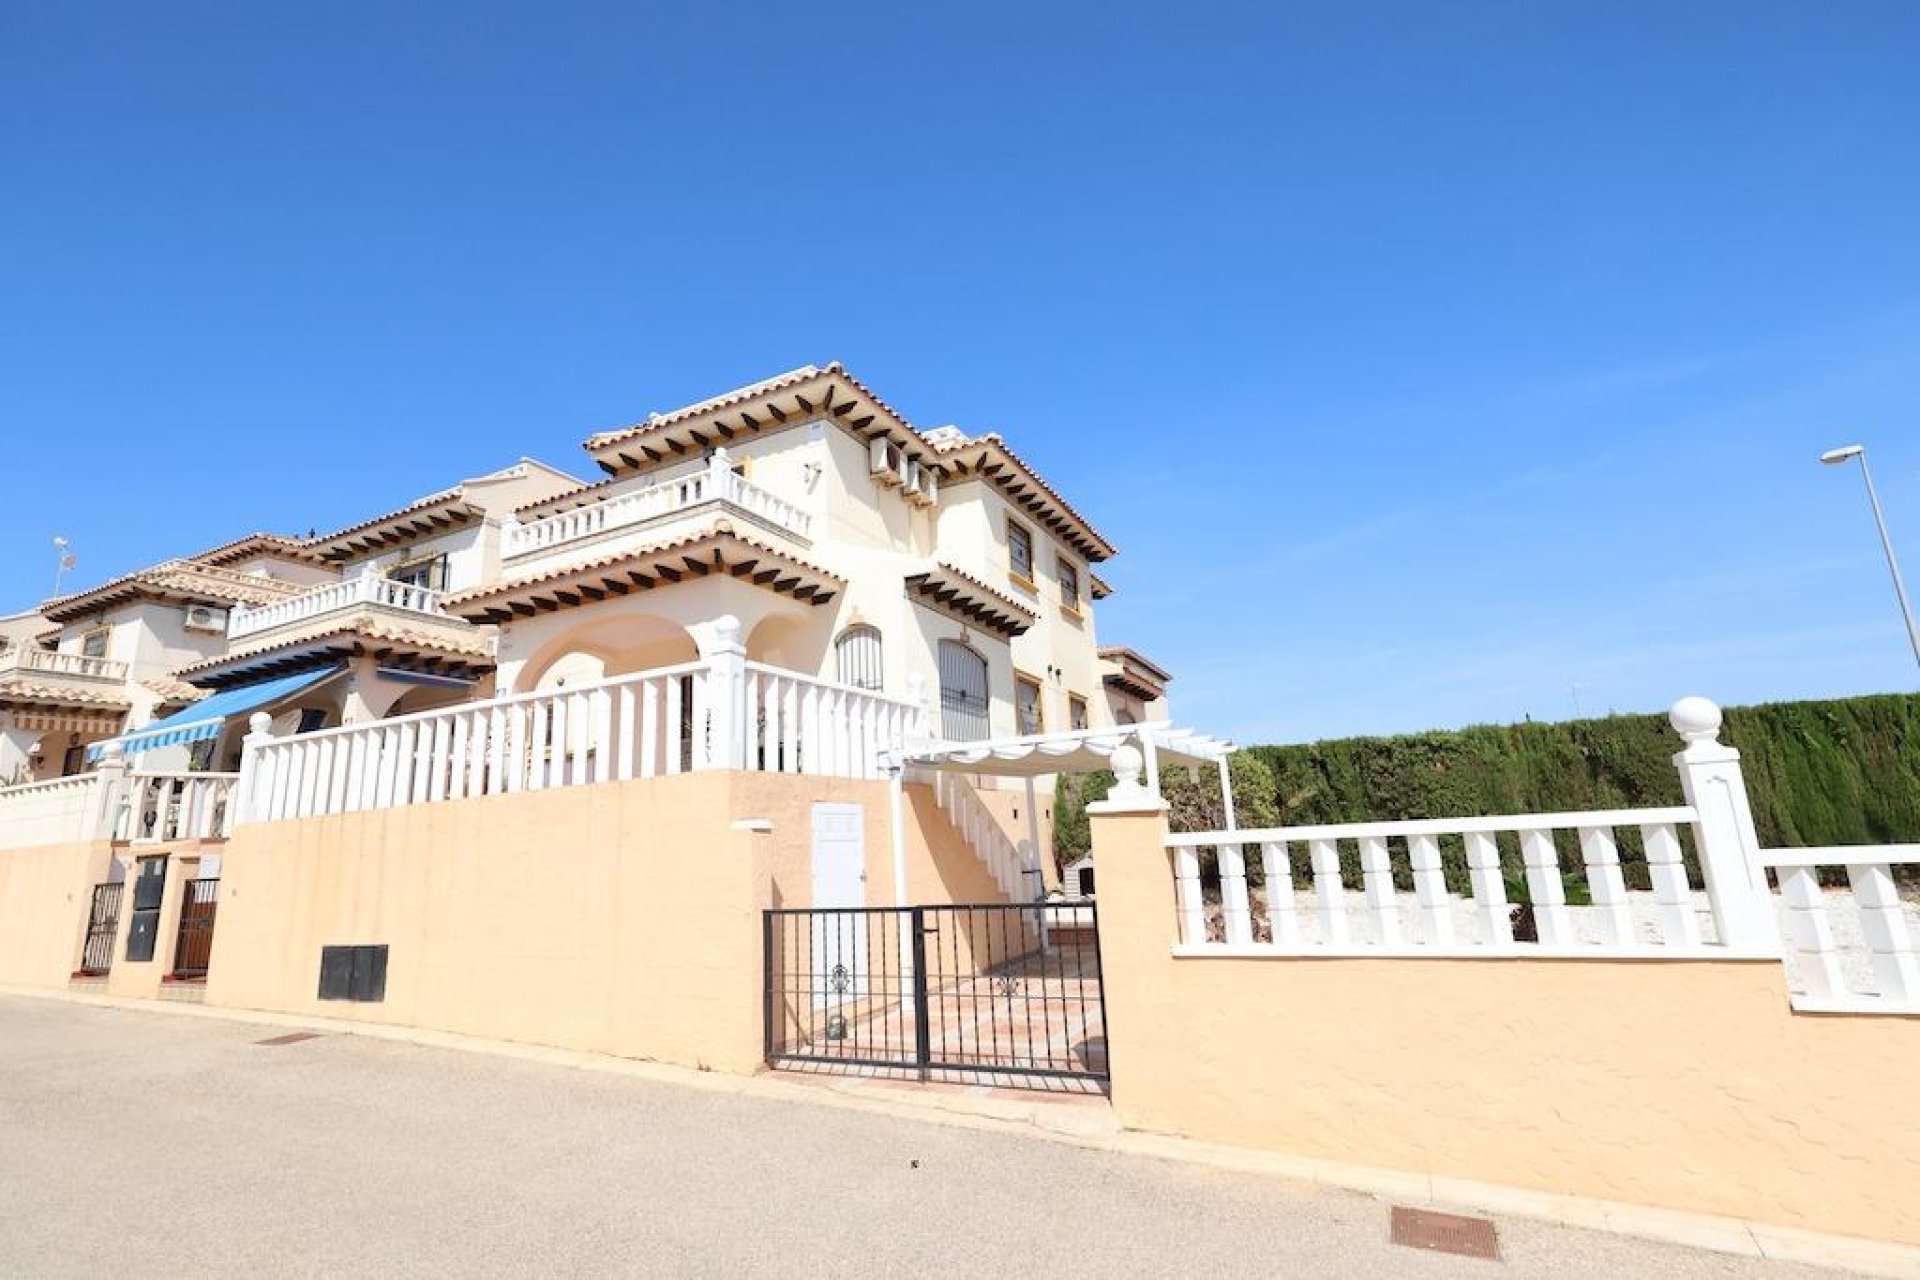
x=144, y=1144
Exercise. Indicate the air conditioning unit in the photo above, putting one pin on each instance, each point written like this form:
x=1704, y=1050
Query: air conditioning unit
x=202, y=617
x=888, y=465
x=923, y=486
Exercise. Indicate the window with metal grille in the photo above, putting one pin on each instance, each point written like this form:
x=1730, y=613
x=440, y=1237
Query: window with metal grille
x=1076, y=711
x=858, y=658
x=963, y=693
x=1069, y=585
x=1019, y=551
x=1026, y=701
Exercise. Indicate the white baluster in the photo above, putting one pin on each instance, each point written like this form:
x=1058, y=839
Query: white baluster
x=1490, y=905
x=1376, y=874
x=1673, y=896
x=1282, y=922
x=1551, y=920
x=1186, y=887
x=1330, y=895
x=1811, y=932
x=1235, y=910
x=1607, y=885
x=1430, y=889
x=1883, y=925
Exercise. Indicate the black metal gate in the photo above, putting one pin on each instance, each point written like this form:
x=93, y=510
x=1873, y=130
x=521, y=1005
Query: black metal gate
x=198, y=901
x=103, y=922
x=977, y=992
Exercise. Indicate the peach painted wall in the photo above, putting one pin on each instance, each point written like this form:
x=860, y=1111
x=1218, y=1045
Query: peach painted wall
x=1684, y=1084
x=45, y=894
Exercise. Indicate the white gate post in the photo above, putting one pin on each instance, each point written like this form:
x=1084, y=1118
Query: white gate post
x=104, y=821
x=253, y=793
x=1729, y=847
x=726, y=695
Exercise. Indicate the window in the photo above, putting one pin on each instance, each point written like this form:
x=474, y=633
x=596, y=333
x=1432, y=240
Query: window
x=94, y=643
x=1020, y=551
x=1076, y=711
x=1026, y=705
x=1069, y=585
x=857, y=655
x=430, y=573
x=963, y=693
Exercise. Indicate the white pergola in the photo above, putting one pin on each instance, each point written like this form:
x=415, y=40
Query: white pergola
x=1160, y=743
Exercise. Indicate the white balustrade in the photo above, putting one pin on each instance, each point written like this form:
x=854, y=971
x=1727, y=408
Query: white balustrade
x=717, y=483
x=1407, y=903
x=54, y=663
x=665, y=721
x=977, y=825
x=176, y=806
x=349, y=593
x=58, y=811
x=1852, y=947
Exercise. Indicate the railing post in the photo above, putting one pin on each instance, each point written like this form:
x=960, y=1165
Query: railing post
x=253, y=792
x=104, y=819
x=726, y=695
x=720, y=475
x=1729, y=847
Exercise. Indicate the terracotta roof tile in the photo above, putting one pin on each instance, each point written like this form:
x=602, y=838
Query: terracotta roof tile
x=59, y=694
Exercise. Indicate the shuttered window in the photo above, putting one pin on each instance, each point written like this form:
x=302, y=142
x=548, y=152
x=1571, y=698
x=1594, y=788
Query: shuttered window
x=1019, y=551
x=858, y=657
x=963, y=693
x=1026, y=701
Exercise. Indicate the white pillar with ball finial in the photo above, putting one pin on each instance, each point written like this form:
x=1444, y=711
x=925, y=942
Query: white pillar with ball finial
x=1729, y=846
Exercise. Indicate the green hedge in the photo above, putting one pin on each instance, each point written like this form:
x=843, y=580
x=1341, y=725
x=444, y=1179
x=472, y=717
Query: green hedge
x=1818, y=773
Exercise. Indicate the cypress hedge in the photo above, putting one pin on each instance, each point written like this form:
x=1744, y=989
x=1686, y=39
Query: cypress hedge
x=1818, y=773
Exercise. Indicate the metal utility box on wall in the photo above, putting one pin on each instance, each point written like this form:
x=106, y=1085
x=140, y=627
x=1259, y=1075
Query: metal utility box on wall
x=354, y=973
x=149, y=888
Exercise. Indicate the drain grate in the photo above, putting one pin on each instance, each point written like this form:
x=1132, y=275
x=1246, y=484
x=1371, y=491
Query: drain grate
x=292, y=1037
x=1444, y=1233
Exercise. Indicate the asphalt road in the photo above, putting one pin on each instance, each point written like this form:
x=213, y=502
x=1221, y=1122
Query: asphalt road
x=150, y=1144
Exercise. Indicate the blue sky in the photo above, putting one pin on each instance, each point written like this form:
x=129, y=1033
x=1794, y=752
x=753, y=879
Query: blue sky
x=1425, y=361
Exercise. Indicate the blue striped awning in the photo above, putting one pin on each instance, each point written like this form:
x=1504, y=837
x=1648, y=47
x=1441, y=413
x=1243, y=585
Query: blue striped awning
x=207, y=717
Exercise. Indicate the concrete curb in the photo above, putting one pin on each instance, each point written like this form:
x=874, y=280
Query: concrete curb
x=1067, y=1120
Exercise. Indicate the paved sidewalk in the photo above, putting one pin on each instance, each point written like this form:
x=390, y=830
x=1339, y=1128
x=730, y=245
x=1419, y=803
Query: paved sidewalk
x=143, y=1143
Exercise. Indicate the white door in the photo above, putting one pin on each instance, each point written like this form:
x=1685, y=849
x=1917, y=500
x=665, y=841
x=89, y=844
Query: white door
x=839, y=960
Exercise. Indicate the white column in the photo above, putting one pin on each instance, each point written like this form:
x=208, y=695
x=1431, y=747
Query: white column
x=1034, y=874
x=726, y=693
x=1729, y=848
x=1226, y=795
x=256, y=779
x=112, y=772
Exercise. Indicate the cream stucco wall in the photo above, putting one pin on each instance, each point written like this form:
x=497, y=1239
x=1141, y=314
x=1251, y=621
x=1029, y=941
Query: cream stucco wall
x=1684, y=1084
x=45, y=895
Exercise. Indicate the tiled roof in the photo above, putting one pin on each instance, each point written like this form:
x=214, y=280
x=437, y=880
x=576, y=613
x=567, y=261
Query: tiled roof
x=959, y=592
x=175, y=579
x=173, y=691
x=456, y=639
x=449, y=506
x=39, y=693
x=257, y=544
x=721, y=531
x=994, y=442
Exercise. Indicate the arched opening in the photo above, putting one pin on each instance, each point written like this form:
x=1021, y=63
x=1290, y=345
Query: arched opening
x=607, y=647
x=796, y=642
x=859, y=659
x=963, y=693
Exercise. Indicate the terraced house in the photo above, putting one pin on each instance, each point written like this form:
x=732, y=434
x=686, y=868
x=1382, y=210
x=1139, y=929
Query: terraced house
x=740, y=756
x=789, y=581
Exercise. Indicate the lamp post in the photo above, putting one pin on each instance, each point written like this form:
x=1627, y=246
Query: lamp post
x=1845, y=454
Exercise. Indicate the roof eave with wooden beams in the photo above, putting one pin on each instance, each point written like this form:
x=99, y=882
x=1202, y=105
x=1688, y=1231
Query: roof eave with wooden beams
x=714, y=553
x=178, y=581
x=806, y=395
x=969, y=600
x=50, y=708
x=988, y=458
x=362, y=637
x=409, y=524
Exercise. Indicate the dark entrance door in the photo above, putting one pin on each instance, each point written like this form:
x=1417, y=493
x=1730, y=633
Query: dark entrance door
x=980, y=992
x=149, y=887
x=198, y=902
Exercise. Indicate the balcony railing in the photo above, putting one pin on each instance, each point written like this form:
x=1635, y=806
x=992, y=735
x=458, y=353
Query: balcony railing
x=48, y=662
x=176, y=806
x=364, y=589
x=717, y=484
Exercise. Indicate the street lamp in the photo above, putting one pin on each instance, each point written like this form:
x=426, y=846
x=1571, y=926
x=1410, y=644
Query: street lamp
x=1845, y=454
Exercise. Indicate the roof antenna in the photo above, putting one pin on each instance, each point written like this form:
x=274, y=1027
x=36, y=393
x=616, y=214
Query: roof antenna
x=64, y=562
